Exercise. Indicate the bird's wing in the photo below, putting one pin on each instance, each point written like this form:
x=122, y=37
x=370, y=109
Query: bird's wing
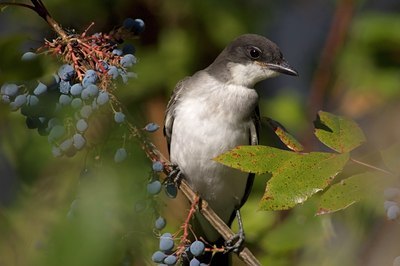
x=254, y=135
x=170, y=113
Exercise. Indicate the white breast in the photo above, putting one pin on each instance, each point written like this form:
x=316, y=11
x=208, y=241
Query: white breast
x=210, y=120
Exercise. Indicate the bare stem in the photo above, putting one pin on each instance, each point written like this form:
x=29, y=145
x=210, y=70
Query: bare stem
x=373, y=167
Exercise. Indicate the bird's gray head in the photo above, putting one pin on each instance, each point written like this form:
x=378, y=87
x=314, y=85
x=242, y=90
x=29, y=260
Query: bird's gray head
x=249, y=59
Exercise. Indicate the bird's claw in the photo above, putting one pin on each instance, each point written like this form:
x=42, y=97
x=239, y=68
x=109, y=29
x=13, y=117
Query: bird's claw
x=235, y=243
x=175, y=176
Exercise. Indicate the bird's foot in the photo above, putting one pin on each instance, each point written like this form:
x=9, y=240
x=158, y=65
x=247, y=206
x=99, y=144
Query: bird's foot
x=173, y=181
x=175, y=176
x=235, y=243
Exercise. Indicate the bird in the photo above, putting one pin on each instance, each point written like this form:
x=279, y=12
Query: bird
x=213, y=111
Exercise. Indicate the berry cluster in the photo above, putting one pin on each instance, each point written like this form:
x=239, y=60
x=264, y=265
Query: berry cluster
x=391, y=204
x=174, y=248
x=62, y=109
x=167, y=256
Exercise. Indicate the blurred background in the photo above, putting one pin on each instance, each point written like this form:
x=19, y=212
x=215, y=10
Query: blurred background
x=65, y=212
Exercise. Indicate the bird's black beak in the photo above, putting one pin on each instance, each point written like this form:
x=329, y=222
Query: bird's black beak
x=283, y=67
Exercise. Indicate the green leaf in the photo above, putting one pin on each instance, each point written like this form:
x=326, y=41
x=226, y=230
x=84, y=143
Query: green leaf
x=295, y=176
x=338, y=133
x=349, y=191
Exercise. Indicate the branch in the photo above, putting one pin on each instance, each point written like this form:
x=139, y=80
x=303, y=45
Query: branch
x=154, y=155
x=42, y=11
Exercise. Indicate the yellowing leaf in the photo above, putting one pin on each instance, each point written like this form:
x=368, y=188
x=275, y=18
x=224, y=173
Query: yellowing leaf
x=338, y=133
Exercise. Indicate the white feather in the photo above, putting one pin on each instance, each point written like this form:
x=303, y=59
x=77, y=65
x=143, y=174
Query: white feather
x=206, y=125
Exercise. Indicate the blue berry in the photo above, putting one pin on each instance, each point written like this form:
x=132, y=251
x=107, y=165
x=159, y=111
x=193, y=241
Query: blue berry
x=117, y=52
x=76, y=89
x=194, y=262
x=393, y=212
x=64, y=86
x=66, y=72
x=158, y=256
x=113, y=72
x=128, y=60
x=85, y=94
x=32, y=100
x=64, y=99
x=171, y=190
x=170, y=260
x=197, y=248
x=119, y=117
x=40, y=89
x=160, y=223
x=151, y=127
x=9, y=89
x=154, y=187
x=103, y=98
x=138, y=27
x=56, y=133
x=76, y=103
x=166, y=242
x=120, y=155
x=18, y=102
x=89, y=78
x=128, y=49
x=86, y=111
x=128, y=23
x=78, y=141
x=56, y=151
x=388, y=203
x=28, y=56
x=93, y=90
x=81, y=125
x=157, y=166
x=66, y=144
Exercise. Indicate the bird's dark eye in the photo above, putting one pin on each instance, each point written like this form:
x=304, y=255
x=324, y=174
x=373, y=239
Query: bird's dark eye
x=254, y=52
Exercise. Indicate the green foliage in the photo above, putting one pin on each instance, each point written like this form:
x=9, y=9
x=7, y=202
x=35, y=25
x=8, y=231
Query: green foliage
x=349, y=191
x=298, y=176
x=338, y=133
x=369, y=59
